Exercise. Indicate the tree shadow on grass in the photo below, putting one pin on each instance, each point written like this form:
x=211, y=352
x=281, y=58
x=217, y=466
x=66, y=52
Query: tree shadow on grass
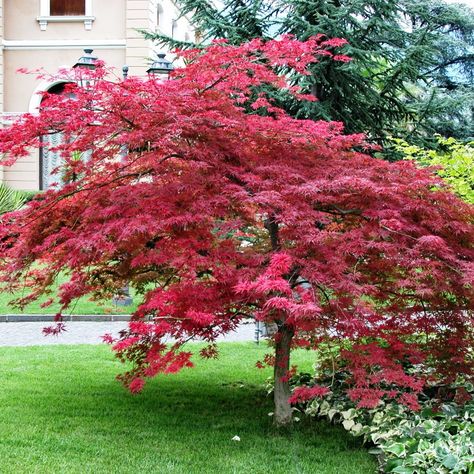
x=71, y=410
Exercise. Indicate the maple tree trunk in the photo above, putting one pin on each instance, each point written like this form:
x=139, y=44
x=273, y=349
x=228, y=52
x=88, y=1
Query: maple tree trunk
x=283, y=412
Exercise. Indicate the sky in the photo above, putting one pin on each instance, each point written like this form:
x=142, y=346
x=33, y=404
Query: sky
x=467, y=2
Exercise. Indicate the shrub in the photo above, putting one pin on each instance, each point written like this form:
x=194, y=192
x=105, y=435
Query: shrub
x=437, y=439
x=455, y=159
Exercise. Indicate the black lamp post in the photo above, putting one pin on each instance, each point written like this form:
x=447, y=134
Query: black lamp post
x=84, y=66
x=161, y=68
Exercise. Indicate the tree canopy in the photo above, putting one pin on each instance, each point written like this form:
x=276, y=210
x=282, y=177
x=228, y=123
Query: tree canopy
x=411, y=74
x=216, y=214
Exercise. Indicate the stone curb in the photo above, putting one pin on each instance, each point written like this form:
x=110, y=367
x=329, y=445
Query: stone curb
x=30, y=318
x=93, y=318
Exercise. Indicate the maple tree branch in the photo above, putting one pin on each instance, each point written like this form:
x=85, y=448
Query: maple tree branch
x=171, y=155
x=240, y=182
x=333, y=209
x=210, y=86
x=323, y=291
x=272, y=226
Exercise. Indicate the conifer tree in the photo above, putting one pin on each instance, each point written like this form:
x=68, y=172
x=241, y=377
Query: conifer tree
x=411, y=74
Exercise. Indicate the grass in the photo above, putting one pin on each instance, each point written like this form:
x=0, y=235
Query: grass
x=82, y=306
x=62, y=411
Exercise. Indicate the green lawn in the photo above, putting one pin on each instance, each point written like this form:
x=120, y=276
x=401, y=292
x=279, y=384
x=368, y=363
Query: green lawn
x=82, y=306
x=62, y=411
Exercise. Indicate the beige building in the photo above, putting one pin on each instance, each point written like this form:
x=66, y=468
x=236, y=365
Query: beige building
x=51, y=34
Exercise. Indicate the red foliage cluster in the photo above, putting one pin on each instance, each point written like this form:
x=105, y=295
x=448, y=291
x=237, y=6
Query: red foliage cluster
x=225, y=207
x=304, y=394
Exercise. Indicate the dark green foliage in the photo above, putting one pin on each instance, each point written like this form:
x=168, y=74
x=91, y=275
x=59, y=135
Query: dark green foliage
x=411, y=74
x=237, y=20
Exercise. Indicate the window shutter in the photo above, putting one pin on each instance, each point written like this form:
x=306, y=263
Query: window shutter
x=67, y=7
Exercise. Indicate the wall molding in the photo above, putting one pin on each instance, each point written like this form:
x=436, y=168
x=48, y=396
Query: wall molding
x=44, y=20
x=63, y=44
x=7, y=118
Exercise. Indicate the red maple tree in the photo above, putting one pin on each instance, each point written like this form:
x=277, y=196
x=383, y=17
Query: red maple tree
x=223, y=207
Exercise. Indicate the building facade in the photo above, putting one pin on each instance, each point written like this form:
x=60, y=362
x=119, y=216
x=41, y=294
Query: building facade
x=51, y=34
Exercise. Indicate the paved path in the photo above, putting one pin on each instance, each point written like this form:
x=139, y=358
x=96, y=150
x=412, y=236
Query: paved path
x=30, y=334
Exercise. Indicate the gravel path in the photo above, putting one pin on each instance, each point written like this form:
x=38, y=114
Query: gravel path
x=30, y=333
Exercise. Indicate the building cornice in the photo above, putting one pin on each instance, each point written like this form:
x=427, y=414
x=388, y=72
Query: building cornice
x=63, y=44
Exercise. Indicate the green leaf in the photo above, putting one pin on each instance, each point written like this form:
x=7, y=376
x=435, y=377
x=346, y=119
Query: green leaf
x=324, y=408
x=348, y=424
x=331, y=413
x=403, y=470
x=375, y=451
x=375, y=437
x=450, y=461
x=348, y=414
x=396, y=448
x=448, y=410
x=393, y=463
x=356, y=428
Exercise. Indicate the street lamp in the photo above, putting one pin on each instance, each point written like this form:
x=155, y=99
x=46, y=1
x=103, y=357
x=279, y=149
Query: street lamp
x=161, y=68
x=85, y=65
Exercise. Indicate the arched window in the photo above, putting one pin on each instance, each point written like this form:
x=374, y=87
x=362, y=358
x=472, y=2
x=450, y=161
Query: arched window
x=50, y=159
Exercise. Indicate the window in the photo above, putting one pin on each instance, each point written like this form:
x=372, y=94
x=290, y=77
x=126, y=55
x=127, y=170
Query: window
x=174, y=28
x=67, y=7
x=159, y=15
x=70, y=11
x=52, y=160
